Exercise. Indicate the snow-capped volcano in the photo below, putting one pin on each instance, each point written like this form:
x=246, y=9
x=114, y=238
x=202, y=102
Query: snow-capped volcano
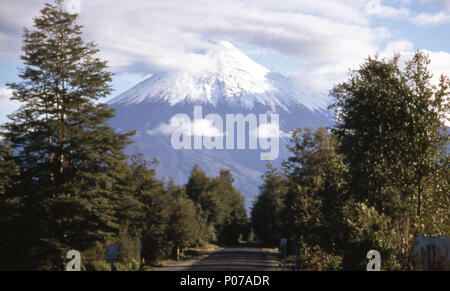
x=223, y=74
x=224, y=81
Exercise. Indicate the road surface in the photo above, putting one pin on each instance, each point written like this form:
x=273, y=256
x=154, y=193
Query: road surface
x=229, y=259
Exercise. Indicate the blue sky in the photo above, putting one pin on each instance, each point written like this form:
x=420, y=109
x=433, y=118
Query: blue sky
x=314, y=41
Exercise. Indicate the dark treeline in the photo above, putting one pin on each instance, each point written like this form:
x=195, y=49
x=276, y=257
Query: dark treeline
x=374, y=181
x=65, y=182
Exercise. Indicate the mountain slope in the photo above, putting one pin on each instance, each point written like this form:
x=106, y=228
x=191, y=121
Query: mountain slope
x=226, y=82
x=225, y=76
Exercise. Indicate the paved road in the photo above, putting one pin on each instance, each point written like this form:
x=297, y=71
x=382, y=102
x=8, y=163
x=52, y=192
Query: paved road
x=229, y=259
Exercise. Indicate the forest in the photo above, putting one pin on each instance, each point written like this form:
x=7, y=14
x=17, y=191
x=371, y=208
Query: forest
x=374, y=181
x=66, y=183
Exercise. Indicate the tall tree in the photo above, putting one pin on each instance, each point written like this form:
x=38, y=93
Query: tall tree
x=266, y=213
x=233, y=223
x=8, y=207
x=69, y=159
x=199, y=189
x=389, y=120
x=151, y=214
x=182, y=221
x=314, y=200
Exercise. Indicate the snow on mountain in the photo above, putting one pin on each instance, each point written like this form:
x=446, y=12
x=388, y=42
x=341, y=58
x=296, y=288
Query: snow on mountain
x=226, y=75
x=225, y=82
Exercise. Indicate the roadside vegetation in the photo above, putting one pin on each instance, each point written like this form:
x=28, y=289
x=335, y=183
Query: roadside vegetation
x=66, y=184
x=375, y=180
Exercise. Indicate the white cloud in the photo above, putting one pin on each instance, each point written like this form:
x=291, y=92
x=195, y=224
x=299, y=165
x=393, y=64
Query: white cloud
x=440, y=64
x=327, y=37
x=146, y=36
x=437, y=18
x=269, y=130
x=374, y=7
x=183, y=125
x=399, y=46
x=7, y=106
x=439, y=61
x=432, y=19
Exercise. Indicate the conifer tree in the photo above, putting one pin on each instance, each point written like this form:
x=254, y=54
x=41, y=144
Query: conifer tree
x=151, y=214
x=231, y=224
x=8, y=169
x=69, y=158
x=268, y=206
x=8, y=207
x=219, y=205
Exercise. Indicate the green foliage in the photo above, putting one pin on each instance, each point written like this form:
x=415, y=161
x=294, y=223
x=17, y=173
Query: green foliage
x=68, y=158
x=266, y=214
x=182, y=221
x=8, y=205
x=100, y=266
x=234, y=223
x=131, y=266
x=316, y=259
x=8, y=169
x=313, y=216
x=64, y=179
x=305, y=204
x=220, y=205
x=129, y=246
x=148, y=211
x=370, y=230
x=389, y=126
x=379, y=178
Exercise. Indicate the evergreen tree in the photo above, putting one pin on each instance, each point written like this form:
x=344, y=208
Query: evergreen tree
x=69, y=159
x=199, y=189
x=152, y=212
x=219, y=205
x=313, y=214
x=197, y=184
x=232, y=224
x=8, y=169
x=8, y=207
x=266, y=213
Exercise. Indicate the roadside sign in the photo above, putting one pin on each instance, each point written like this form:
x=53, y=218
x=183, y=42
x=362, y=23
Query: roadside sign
x=283, y=243
x=112, y=253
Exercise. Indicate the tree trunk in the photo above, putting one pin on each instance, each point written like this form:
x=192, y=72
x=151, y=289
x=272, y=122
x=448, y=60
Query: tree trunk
x=419, y=198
